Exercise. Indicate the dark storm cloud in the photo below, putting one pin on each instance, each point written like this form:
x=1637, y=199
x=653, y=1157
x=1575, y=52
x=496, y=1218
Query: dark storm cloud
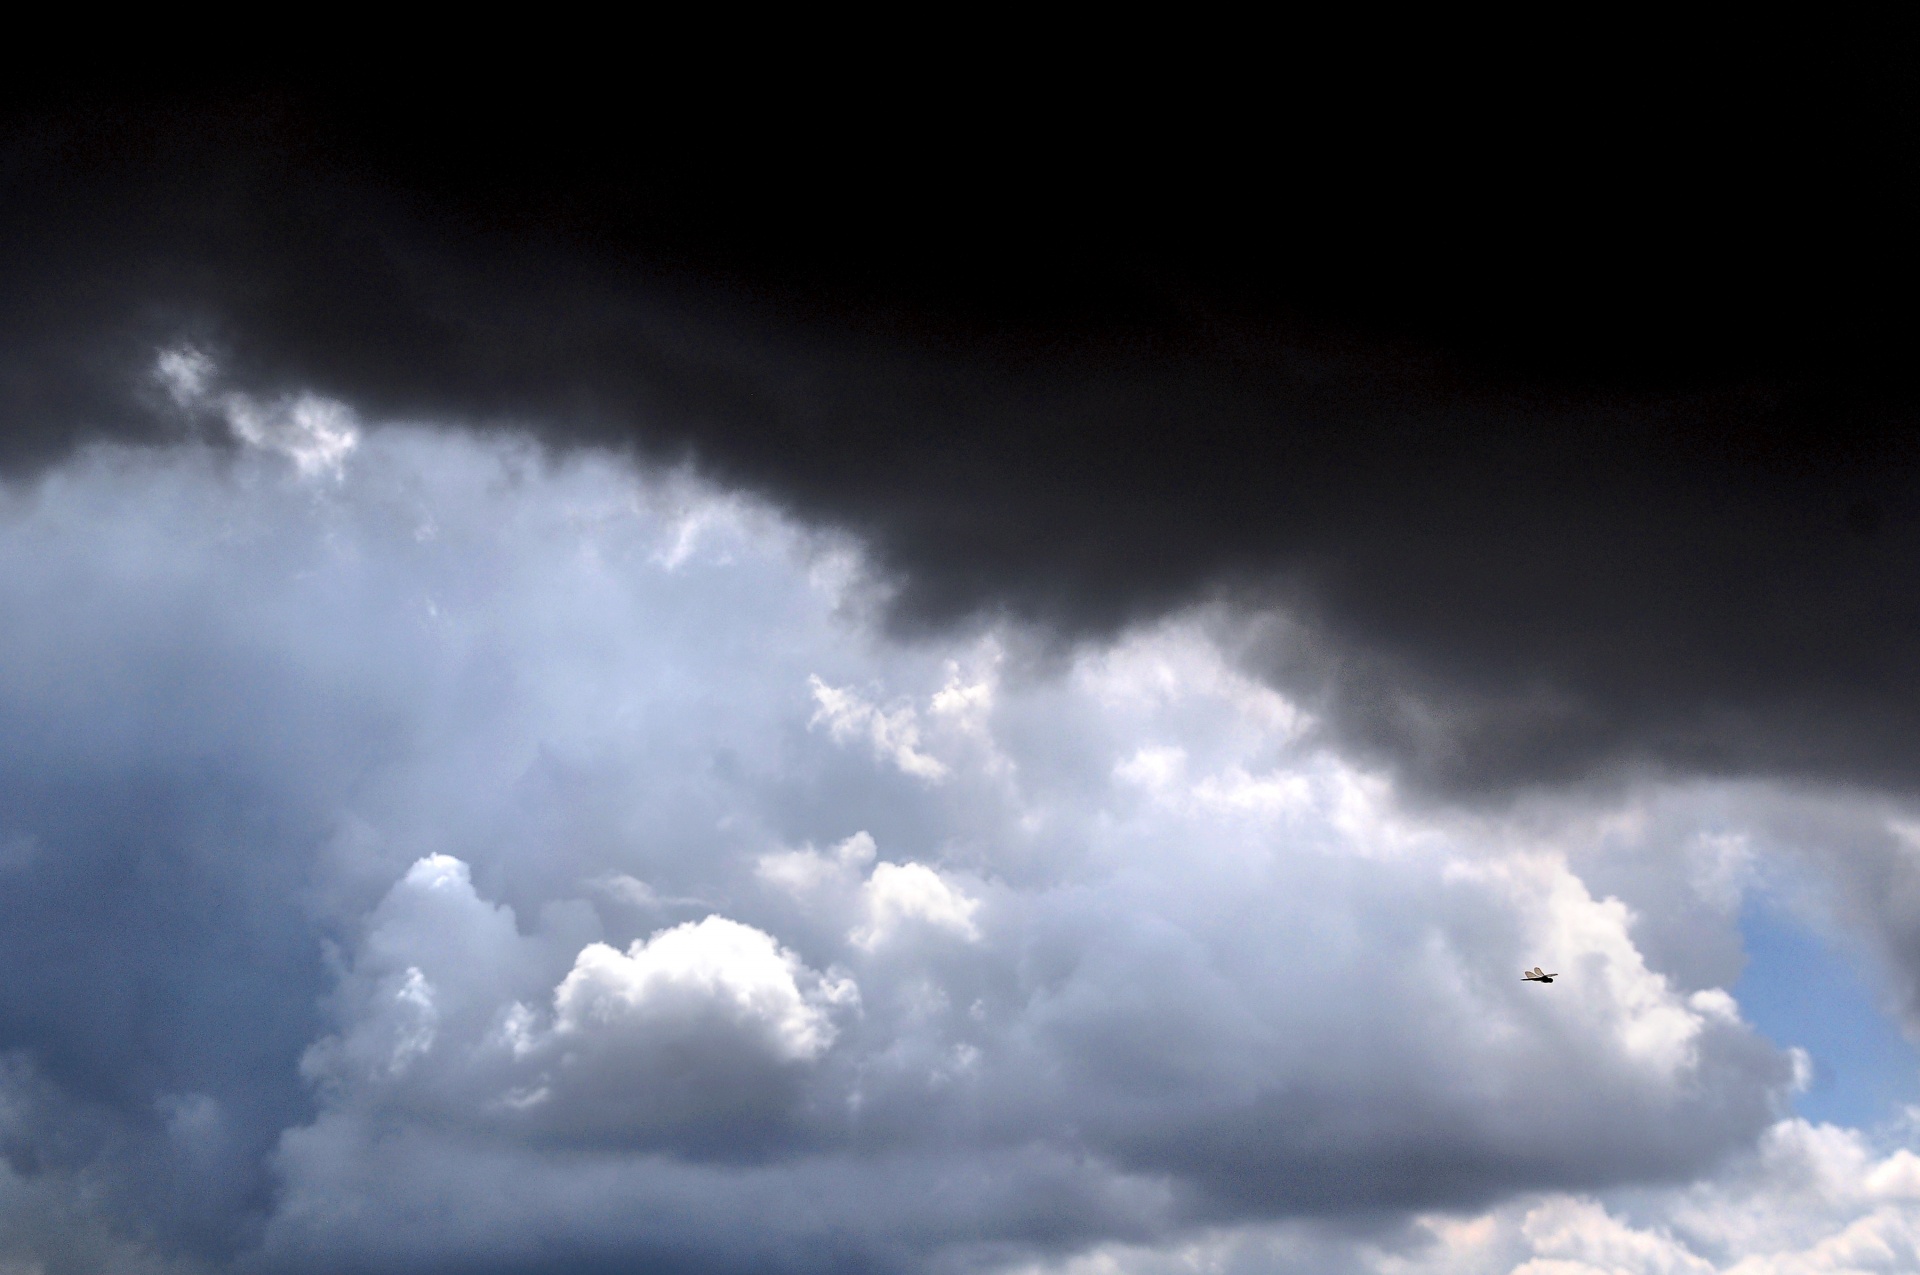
x=1562, y=451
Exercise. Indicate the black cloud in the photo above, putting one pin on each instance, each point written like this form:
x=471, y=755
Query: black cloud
x=1567, y=448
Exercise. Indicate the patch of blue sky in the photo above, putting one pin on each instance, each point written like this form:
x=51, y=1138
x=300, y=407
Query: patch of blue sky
x=1801, y=988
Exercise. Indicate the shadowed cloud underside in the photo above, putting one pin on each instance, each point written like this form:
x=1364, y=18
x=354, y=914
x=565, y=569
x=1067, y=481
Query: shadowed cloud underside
x=1594, y=459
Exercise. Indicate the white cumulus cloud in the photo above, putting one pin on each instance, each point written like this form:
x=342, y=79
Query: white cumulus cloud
x=1144, y=964
x=710, y=967
x=898, y=895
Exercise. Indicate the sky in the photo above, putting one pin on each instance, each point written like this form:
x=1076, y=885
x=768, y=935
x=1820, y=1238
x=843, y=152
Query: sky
x=583, y=695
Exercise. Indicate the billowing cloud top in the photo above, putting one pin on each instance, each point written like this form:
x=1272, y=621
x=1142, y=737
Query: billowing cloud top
x=456, y=857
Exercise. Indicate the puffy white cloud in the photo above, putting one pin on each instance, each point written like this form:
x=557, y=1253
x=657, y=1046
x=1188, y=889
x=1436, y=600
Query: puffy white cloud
x=805, y=872
x=710, y=968
x=696, y=1028
x=1808, y=1200
x=529, y=807
x=1578, y=1237
x=1267, y=1006
x=898, y=895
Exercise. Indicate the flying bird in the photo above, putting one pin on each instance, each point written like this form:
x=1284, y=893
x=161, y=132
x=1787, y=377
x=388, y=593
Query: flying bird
x=1535, y=976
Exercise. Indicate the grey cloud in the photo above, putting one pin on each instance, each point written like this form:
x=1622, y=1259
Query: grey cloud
x=1181, y=962
x=60, y=1213
x=1845, y=863
x=694, y=1041
x=1804, y=1199
x=592, y=1214
x=1855, y=874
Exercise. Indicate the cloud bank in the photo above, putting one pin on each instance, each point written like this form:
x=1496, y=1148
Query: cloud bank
x=463, y=857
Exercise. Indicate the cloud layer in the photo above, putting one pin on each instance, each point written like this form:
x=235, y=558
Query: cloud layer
x=1808, y=1200
x=463, y=858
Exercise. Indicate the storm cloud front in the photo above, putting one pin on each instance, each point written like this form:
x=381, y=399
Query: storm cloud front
x=1564, y=453
x=554, y=717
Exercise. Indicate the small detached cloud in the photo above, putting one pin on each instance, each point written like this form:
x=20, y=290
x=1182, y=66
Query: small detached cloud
x=901, y=895
x=316, y=433
x=893, y=733
x=715, y=969
x=805, y=872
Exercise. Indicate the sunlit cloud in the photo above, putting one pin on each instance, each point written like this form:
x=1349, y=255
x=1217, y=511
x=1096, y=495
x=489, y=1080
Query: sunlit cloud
x=614, y=855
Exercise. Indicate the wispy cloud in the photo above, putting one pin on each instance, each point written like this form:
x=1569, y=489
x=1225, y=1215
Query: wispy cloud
x=317, y=434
